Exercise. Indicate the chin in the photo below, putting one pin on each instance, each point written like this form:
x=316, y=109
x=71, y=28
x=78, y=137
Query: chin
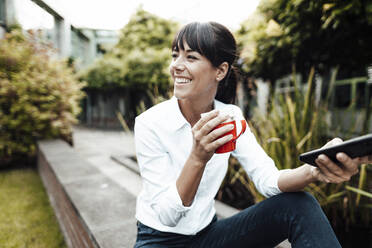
x=179, y=95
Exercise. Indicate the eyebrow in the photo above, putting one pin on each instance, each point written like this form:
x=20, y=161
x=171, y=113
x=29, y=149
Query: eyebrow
x=190, y=50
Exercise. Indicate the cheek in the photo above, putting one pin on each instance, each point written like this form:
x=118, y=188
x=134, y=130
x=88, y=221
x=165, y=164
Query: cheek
x=209, y=74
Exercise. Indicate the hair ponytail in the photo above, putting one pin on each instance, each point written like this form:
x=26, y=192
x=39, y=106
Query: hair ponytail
x=226, y=91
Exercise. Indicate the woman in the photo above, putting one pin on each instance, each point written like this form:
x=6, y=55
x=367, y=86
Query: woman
x=182, y=174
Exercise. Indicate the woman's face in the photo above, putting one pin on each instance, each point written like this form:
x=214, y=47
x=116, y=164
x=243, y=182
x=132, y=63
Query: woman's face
x=193, y=74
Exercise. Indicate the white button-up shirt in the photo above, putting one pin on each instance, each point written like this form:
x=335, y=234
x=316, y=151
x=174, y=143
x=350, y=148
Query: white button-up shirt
x=163, y=141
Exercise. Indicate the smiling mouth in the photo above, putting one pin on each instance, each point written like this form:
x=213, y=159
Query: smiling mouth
x=182, y=81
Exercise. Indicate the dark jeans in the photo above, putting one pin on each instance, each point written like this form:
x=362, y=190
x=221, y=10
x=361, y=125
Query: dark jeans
x=296, y=216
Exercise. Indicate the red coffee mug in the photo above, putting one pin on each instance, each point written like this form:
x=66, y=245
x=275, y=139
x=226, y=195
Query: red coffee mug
x=231, y=145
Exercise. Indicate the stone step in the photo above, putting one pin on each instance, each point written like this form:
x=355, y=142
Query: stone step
x=92, y=209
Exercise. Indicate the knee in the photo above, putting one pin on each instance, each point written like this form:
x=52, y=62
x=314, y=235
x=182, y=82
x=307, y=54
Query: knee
x=300, y=202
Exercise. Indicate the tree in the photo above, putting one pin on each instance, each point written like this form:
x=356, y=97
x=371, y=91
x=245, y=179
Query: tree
x=138, y=65
x=139, y=62
x=146, y=30
x=306, y=33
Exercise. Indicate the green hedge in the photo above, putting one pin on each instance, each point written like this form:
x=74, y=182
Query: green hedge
x=39, y=96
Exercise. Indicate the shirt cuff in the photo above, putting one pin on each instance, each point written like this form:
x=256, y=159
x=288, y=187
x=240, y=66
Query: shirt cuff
x=169, y=207
x=176, y=199
x=277, y=181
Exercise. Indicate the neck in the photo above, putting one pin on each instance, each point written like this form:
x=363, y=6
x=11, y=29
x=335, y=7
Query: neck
x=191, y=109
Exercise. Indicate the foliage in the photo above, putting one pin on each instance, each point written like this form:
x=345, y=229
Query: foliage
x=146, y=30
x=147, y=69
x=39, y=96
x=139, y=70
x=294, y=124
x=104, y=73
x=307, y=33
x=137, y=65
x=27, y=219
x=141, y=58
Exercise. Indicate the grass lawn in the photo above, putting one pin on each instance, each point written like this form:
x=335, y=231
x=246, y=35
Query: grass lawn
x=26, y=216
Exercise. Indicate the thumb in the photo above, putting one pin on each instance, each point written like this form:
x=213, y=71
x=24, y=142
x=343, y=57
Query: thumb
x=333, y=142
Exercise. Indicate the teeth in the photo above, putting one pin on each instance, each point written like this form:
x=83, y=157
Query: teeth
x=182, y=80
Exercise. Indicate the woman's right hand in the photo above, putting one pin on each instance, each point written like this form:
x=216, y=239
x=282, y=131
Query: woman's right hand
x=206, y=139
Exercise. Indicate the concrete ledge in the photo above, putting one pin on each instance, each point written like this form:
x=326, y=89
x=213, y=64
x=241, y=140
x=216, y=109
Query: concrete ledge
x=92, y=210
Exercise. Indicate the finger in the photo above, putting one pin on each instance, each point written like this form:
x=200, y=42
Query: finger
x=324, y=171
x=333, y=142
x=218, y=132
x=205, y=118
x=211, y=124
x=349, y=164
x=333, y=167
x=322, y=162
x=219, y=142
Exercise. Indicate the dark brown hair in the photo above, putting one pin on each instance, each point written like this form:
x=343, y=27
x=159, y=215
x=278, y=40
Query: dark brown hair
x=217, y=44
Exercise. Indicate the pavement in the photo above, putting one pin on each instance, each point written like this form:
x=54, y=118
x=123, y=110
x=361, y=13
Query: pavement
x=98, y=146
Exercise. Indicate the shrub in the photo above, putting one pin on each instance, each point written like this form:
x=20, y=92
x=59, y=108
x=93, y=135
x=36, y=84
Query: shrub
x=293, y=124
x=39, y=96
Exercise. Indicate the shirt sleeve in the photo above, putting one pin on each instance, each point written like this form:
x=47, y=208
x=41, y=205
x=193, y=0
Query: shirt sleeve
x=159, y=179
x=259, y=166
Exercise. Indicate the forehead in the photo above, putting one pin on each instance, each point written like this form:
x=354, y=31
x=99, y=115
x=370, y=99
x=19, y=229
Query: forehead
x=183, y=47
x=188, y=39
x=186, y=46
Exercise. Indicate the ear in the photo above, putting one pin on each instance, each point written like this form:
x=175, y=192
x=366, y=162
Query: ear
x=222, y=71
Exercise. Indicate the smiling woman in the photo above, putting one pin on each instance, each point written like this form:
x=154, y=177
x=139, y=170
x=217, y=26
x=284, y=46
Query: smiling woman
x=178, y=150
x=199, y=70
x=193, y=75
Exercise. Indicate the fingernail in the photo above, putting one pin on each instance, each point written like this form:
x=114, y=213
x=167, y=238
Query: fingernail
x=321, y=158
x=341, y=156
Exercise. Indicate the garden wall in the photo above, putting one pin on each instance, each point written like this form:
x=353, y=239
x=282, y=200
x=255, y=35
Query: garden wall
x=92, y=210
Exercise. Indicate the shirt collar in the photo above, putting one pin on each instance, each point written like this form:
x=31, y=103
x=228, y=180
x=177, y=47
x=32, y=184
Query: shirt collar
x=178, y=119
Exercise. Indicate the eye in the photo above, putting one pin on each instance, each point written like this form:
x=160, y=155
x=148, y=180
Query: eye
x=192, y=57
x=174, y=55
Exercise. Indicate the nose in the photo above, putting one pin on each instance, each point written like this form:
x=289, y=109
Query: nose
x=178, y=64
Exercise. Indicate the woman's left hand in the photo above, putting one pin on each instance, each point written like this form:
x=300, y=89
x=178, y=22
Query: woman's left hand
x=329, y=172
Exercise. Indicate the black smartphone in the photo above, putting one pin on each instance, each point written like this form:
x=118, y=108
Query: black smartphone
x=356, y=147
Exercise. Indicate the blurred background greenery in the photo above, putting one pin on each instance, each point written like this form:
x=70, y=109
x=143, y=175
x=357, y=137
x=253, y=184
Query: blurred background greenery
x=305, y=77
